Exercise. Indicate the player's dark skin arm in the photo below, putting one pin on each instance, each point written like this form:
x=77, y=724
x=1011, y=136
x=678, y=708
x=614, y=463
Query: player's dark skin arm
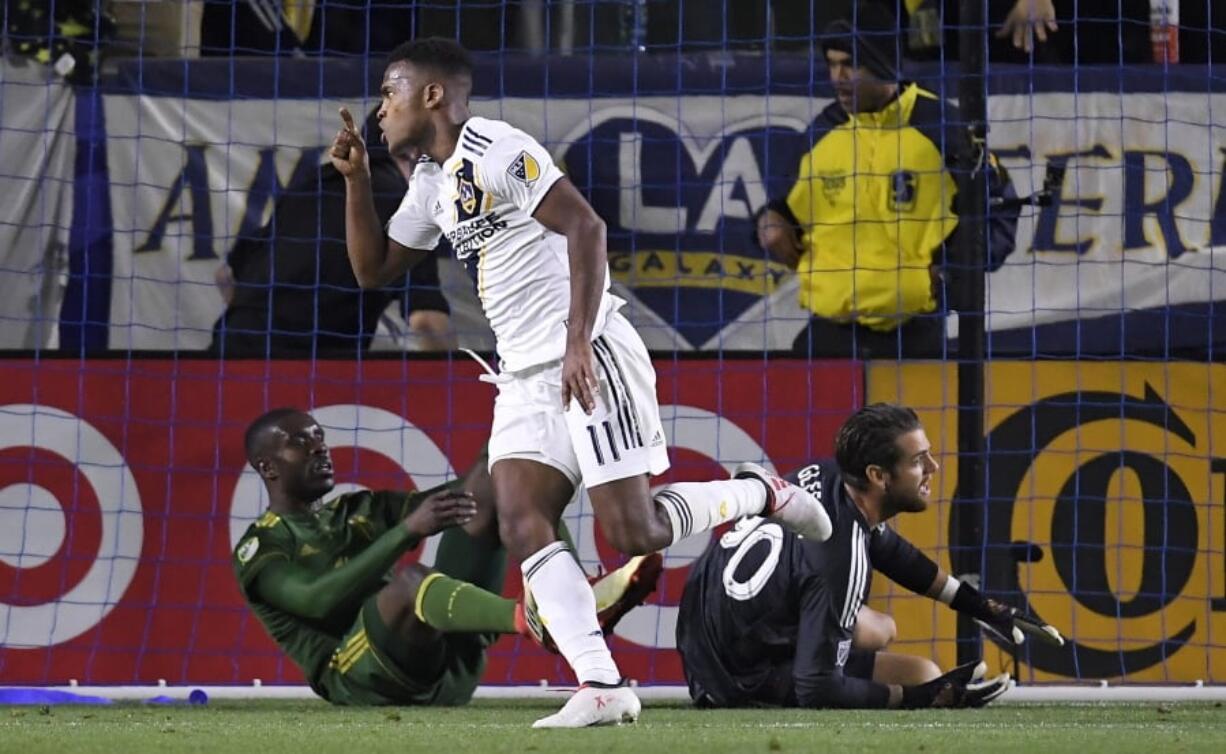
x=314, y=596
x=376, y=259
x=567, y=213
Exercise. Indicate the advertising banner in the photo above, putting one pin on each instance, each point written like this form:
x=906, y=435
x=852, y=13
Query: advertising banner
x=1134, y=231
x=124, y=489
x=1104, y=515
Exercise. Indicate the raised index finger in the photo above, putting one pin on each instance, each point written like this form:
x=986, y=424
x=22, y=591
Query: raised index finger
x=348, y=120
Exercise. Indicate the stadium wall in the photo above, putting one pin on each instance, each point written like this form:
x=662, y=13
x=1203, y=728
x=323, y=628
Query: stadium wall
x=124, y=471
x=180, y=159
x=132, y=490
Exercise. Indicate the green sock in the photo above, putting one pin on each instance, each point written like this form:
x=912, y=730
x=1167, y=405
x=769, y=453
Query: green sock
x=462, y=557
x=456, y=606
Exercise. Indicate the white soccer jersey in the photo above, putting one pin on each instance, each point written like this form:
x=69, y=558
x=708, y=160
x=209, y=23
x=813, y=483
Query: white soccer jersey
x=482, y=198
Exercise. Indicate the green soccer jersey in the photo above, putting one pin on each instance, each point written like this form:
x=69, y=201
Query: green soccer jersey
x=320, y=543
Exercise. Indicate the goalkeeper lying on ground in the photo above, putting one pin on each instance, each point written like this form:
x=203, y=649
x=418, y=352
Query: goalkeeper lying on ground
x=768, y=617
x=320, y=576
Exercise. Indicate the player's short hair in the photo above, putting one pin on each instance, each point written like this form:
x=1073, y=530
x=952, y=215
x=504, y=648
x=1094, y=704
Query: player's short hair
x=443, y=55
x=257, y=431
x=869, y=438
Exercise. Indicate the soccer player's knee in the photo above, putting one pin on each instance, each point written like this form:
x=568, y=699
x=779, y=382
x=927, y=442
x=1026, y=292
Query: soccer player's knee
x=408, y=581
x=888, y=629
x=874, y=630
x=517, y=535
x=927, y=670
x=628, y=539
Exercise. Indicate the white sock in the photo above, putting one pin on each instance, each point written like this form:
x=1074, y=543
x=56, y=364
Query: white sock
x=568, y=609
x=695, y=507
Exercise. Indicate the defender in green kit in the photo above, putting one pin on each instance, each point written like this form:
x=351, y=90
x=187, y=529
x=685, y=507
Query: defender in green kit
x=320, y=576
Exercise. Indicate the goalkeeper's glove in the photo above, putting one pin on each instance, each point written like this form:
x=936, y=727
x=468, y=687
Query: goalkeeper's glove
x=961, y=687
x=1006, y=623
x=982, y=693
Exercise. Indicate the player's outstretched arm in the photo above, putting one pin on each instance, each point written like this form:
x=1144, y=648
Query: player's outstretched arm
x=907, y=566
x=376, y=259
x=567, y=213
x=314, y=596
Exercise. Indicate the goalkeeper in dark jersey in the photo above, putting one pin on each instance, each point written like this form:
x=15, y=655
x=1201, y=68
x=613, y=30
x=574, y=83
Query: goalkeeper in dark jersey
x=320, y=576
x=769, y=618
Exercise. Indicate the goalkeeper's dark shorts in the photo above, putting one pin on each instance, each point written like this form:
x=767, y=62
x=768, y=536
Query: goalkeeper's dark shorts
x=372, y=667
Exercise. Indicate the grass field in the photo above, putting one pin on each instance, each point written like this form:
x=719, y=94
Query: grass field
x=271, y=727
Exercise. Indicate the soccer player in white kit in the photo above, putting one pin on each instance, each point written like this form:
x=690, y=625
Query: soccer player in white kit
x=576, y=397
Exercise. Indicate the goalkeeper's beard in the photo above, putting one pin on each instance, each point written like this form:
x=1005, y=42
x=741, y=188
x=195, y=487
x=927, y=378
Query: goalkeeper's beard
x=894, y=502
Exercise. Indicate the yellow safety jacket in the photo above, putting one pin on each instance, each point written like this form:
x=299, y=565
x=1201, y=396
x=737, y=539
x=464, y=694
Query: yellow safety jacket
x=874, y=200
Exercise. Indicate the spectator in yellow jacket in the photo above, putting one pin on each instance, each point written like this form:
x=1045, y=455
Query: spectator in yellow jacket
x=874, y=208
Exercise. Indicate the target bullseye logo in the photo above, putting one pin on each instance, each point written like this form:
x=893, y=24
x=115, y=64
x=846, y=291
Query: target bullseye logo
x=41, y=526
x=37, y=532
x=364, y=428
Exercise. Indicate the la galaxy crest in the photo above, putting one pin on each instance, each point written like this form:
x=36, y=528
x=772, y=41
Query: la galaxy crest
x=468, y=196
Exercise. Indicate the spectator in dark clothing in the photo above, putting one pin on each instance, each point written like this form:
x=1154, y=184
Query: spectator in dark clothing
x=290, y=290
x=347, y=27
x=1022, y=31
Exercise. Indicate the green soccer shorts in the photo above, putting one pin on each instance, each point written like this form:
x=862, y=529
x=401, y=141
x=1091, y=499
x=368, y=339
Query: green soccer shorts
x=371, y=666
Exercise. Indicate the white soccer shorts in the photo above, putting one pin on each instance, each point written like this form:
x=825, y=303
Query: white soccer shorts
x=623, y=436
